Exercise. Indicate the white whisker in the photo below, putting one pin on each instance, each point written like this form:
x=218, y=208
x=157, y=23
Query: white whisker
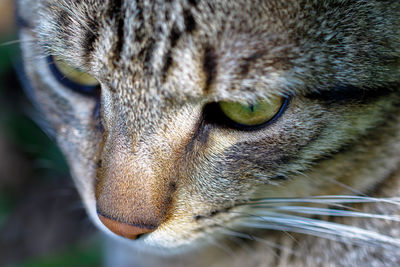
x=335, y=212
x=278, y=221
x=334, y=199
x=18, y=41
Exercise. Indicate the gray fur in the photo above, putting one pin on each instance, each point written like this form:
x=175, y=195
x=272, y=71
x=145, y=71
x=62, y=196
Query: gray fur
x=160, y=63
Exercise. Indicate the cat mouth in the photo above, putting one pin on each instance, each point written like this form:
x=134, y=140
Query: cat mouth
x=173, y=237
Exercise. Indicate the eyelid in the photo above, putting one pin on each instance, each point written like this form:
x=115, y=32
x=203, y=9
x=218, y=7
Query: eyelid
x=79, y=88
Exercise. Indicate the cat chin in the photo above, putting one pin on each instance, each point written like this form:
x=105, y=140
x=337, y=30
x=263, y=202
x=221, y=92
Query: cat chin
x=156, y=245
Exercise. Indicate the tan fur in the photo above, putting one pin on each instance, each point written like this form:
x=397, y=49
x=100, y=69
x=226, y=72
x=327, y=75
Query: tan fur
x=158, y=158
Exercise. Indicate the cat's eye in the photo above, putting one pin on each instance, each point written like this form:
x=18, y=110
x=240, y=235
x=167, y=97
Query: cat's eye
x=255, y=113
x=73, y=78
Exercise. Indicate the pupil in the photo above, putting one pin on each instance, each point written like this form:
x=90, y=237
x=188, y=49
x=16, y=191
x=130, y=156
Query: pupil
x=251, y=107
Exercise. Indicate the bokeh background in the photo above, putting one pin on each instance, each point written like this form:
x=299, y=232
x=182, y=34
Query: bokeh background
x=42, y=221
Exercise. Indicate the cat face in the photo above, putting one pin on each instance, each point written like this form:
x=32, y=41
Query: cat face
x=163, y=136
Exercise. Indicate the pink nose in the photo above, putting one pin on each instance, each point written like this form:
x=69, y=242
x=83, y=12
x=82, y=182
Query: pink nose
x=124, y=229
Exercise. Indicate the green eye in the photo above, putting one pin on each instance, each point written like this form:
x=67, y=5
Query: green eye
x=75, y=75
x=253, y=114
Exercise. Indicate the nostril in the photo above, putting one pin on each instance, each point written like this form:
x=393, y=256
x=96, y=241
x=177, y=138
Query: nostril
x=124, y=229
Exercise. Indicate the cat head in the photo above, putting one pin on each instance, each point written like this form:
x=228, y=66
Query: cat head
x=194, y=114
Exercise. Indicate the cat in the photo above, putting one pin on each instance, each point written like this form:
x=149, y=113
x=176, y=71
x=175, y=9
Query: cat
x=226, y=133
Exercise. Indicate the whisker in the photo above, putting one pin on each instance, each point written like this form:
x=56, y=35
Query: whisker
x=278, y=221
x=335, y=212
x=272, y=207
x=334, y=199
x=333, y=181
x=231, y=232
x=18, y=41
x=224, y=248
x=261, y=240
x=351, y=189
x=364, y=199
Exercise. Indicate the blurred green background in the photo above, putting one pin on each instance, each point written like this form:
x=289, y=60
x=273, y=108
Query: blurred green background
x=42, y=221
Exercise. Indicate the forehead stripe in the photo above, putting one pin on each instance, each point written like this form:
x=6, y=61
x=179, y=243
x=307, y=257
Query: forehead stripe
x=210, y=62
x=90, y=37
x=114, y=11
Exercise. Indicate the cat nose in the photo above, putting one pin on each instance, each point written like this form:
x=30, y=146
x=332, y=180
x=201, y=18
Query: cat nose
x=124, y=229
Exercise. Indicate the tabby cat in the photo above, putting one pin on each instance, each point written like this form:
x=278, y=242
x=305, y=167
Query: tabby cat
x=226, y=133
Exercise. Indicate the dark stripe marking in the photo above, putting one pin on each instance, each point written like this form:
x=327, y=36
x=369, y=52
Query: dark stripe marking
x=190, y=23
x=90, y=37
x=120, y=32
x=115, y=12
x=63, y=19
x=193, y=2
x=210, y=62
x=200, y=135
x=342, y=94
x=64, y=31
x=174, y=37
x=139, y=33
x=146, y=54
x=167, y=64
x=244, y=68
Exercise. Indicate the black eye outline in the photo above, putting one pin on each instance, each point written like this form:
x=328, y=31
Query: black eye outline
x=213, y=114
x=89, y=90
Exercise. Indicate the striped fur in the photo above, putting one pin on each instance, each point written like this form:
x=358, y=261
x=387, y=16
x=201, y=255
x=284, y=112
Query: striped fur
x=159, y=156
